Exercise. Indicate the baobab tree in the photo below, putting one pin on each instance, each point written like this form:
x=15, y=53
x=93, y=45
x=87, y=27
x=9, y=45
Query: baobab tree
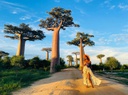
x=81, y=41
x=70, y=59
x=60, y=18
x=2, y=53
x=100, y=56
x=47, y=52
x=23, y=33
x=76, y=53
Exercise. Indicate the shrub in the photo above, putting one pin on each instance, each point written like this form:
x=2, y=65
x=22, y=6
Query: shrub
x=34, y=62
x=17, y=61
x=6, y=62
x=45, y=64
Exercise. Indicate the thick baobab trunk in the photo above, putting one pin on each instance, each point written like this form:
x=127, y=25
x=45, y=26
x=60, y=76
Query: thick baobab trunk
x=55, y=50
x=21, y=46
x=81, y=54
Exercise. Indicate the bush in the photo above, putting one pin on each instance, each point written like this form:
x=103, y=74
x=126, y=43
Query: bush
x=45, y=65
x=17, y=61
x=6, y=62
x=34, y=62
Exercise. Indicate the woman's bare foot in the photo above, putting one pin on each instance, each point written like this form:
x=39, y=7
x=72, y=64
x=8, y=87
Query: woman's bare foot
x=87, y=86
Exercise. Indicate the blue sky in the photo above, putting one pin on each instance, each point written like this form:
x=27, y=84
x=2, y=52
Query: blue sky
x=107, y=20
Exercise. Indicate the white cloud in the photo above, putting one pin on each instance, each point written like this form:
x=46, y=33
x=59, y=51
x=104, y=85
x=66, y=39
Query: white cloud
x=13, y=7
x=106, y=1
x=88, y=1
x=122, y=6
x=112, y=7
x=108, y=4
x=11, y=4
x=119, y=38
x=81, y=11
x=25, y=17
x=14, y=12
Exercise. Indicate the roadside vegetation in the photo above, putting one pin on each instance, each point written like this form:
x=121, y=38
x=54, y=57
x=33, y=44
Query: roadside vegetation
x=16, y=72
x=118, y=73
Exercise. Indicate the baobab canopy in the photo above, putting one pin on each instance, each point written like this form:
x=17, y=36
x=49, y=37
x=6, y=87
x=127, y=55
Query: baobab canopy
x=27, y=32
x=84, y=37
x=58, y=15
x=2, y=53
x=23, y=33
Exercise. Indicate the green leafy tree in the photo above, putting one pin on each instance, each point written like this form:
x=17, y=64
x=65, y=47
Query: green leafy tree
x=112, y=63
x=23, y=33
x=81, y=41
x=70, y=59
x=60, y=18
x=124, y=67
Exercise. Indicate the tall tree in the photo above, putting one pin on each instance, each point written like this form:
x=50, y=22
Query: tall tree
x=60, y=18
x=47, y=52
x=81, y=41
x=76, y=53
x=70, y=59
x=2, y=53
x=100, y=56
x=23, y=33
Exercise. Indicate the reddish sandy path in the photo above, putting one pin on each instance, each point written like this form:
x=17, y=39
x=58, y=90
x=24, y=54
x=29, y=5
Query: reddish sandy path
x=69, y=82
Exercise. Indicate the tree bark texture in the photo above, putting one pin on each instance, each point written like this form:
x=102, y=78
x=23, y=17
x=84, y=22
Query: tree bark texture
x=81, y=54
x=76, y=60
x=55, y=50
x=21, y=46
x=47, y=55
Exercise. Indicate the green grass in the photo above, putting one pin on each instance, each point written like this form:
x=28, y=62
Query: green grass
x=13, y=79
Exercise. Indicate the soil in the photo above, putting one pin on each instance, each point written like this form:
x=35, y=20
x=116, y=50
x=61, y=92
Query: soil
x=69, y=82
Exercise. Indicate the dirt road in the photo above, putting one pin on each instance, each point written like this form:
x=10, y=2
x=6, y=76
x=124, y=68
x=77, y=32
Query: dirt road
x=69, y=82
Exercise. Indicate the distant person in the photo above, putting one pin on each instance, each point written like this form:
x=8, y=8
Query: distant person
x=88, y=76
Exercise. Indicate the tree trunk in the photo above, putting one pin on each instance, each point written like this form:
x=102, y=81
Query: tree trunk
x=76, y=60
x=21, y=46
x=81, y=54
x=55, y=50
x=47, y=56
x=68, y=63
x=100, y=60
